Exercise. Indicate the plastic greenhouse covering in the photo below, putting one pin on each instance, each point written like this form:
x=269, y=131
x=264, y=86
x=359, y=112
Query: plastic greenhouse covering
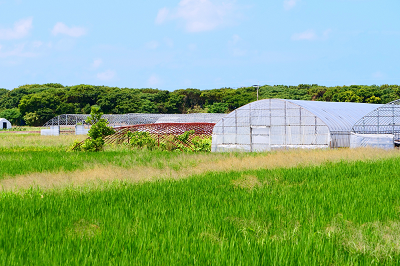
x=275, y=124
x=384, y=141
x=383, y=120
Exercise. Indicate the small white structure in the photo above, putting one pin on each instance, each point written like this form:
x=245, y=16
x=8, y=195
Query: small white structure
x=5, y=124
x=383, y=141
x=53, y=131
x=81, y=130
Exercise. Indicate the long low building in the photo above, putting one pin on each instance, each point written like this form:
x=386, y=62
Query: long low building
x=278, y=124
x=117, y=120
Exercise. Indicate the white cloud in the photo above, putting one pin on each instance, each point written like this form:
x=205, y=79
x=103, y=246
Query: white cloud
x=21, y=29
x=306, y=35
x=162, y=15
x=235, y=39
x=37, y=44
x=289, y=4
x=18, y=51
x=153, y=81
x=311, y=35
x=106, y=75
x=61, y=28
x=199, y=15
x=97, y=62
x=152, y=45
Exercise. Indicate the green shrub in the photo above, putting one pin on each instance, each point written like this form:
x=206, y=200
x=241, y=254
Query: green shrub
x=181, y=142
x=218, y=108
x=13, y=115
x=185, y=136
x=141, y=140
x=97, y=132
x=32, y=119
x=201, y=144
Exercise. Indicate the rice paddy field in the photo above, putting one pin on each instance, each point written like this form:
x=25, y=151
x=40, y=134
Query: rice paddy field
x=138, y=207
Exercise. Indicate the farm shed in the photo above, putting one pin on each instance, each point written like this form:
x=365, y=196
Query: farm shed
x=4, y=124
x=378, y=128
x=276, y=124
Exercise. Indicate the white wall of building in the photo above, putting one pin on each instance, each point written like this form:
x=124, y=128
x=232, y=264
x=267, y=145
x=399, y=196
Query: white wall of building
x=5, y=124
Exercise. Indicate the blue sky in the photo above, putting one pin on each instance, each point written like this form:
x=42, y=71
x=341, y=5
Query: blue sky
x=202, y=44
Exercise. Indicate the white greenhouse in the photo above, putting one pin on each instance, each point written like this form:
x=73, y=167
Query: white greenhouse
x=378, y=128
x=279, y=124
x=4, y=124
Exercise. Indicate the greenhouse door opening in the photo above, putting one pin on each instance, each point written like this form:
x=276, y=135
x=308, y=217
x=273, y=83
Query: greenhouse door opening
x=260, y=138
x=4, y=125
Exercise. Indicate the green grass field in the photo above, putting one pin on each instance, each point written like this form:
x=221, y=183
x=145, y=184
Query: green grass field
x=341, y=209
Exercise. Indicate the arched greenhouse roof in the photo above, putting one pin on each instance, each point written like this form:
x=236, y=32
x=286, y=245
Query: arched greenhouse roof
x=338, y=116
x=383, y=120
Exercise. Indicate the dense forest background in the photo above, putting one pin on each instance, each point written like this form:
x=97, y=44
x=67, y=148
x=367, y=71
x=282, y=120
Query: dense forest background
x=35, y=104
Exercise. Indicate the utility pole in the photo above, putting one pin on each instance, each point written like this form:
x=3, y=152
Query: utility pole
x=258, y=87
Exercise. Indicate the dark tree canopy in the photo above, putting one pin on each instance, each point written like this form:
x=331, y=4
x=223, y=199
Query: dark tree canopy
x=36, y=103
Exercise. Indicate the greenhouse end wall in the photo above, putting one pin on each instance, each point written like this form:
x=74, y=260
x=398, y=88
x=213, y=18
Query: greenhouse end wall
x=268, y=125
x=383, y=141
x=379, y=128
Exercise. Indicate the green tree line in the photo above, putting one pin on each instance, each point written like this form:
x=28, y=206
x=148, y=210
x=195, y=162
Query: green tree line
x=37, y=103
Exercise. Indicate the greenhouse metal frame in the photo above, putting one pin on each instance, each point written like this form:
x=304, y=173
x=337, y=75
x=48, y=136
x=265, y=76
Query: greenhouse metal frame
x=277, y=123
x=164, y=134
x=119, y=120
x=380, y=127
